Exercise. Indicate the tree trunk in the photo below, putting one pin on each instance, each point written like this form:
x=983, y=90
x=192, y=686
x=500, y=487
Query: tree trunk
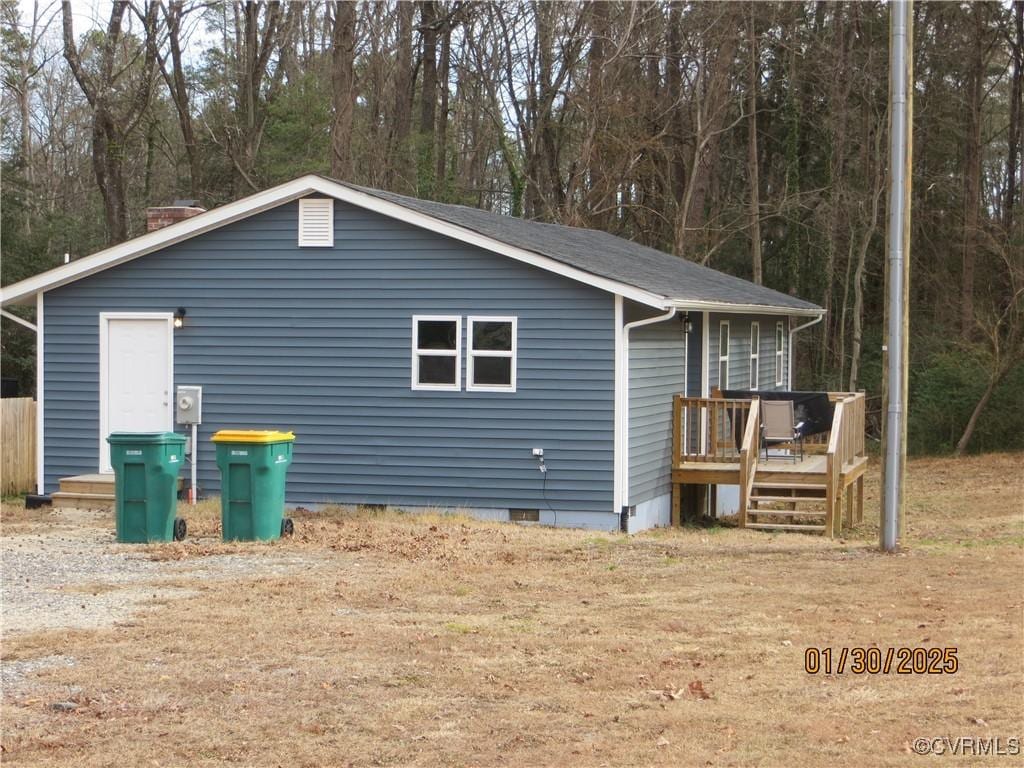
x=972, y=178
x=178, y=89
x=425, y=170
x=710, y=117
x=753, y=72
x=441, y=137
x=109, y=130
x=401, y=115
x=972, y=422
x=343, y=91
x=1015, y=128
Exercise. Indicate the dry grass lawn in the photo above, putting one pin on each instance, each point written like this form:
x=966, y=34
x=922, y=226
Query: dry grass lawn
x=421, y=640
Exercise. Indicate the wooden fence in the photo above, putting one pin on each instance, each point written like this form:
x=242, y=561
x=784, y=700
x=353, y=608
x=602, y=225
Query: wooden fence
x=17, y=445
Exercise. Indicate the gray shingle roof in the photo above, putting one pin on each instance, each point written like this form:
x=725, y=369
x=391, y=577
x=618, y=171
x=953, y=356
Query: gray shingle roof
x=605, y=255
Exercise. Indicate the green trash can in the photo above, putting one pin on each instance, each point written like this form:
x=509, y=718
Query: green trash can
x=253, y=466
x=146, y=466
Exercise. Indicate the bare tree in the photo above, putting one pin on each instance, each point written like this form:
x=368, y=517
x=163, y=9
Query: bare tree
x=343, y=87
x=1002, y=328
x=115, y=115
x=177, y=86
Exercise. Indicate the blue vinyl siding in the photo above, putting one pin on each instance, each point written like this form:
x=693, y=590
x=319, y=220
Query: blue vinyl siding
x=694, y=351
x=739, y=350
x=657, y=369
x=318, y=340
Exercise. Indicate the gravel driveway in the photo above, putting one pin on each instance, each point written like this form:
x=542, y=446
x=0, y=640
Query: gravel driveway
x=71, y=574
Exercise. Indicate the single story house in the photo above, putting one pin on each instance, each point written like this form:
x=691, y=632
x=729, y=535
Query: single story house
x=425, y=354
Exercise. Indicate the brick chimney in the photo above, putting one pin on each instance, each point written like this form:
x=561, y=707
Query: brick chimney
x=158, y=218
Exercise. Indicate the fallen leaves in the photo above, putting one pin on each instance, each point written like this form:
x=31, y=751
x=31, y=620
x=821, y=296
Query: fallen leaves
x=697, y=689
x=670, y=693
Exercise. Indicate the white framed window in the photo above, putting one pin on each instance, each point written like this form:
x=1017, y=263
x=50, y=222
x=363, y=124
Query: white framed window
x=437, y=352
x=755, y=352
x=491, y=360
x=780, y=338
x=723, y=354
x=316, y=222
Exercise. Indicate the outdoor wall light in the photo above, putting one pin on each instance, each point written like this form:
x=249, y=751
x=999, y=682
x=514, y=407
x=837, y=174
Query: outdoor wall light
x=687, y=323
x=179, y=318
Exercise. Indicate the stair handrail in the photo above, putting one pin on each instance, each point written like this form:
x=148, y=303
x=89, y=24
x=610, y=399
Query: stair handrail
x=834, y=460
x=748, y=460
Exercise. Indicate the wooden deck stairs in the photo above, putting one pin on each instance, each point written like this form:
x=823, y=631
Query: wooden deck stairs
x=778, y=503
x=85, y=492
x=95, y=492
x=716, y=441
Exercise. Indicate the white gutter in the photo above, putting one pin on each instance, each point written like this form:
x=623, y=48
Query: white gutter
x=622, y=386
x=753, y=309
x=19, y=320
x=789, y=362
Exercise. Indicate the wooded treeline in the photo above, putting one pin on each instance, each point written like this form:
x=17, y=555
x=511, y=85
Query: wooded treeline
x=751, y=137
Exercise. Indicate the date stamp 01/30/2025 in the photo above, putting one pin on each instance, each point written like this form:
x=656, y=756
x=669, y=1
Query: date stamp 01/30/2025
x=909, y=661
x=878, y=661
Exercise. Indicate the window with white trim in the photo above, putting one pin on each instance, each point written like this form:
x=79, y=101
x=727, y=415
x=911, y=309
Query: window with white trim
x=316, y=222
x=491, y=360
x=436, y=352
x=755, y=351
x=780, y=338
x=723, y=354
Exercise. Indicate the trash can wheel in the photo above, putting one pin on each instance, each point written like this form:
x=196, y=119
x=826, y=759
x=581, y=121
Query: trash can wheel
x=179, y=529
x=287, y=527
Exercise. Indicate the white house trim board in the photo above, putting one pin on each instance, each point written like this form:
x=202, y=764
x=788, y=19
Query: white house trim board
x=624, y=400
x=105, y=318
x=312, y=184
x=705, y=376
x=292, y=190
x=754, y=364
x=620, y=406
x=40, y=395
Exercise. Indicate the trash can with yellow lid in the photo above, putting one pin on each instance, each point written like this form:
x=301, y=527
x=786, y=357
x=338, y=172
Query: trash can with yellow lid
x=253, y=465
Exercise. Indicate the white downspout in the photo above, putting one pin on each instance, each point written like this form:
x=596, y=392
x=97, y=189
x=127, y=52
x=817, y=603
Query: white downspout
x=624, y=402
x=789, y=361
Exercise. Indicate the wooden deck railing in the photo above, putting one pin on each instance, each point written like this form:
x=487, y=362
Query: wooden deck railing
x=708, y=429
x=750, y=449
x=845, y=446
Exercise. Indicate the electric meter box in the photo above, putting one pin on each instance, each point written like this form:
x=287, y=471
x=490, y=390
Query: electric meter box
x=189, y=405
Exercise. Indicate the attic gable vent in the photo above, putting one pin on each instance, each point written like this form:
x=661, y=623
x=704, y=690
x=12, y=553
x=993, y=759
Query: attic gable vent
x=316, y=222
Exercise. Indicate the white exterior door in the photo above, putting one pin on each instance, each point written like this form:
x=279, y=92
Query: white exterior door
x=136, y=361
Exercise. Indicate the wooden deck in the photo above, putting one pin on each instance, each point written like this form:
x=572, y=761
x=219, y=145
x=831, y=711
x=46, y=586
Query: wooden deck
x=717, y=442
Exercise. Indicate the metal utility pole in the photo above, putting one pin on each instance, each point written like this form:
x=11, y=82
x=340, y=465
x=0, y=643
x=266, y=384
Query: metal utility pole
x=898, y=273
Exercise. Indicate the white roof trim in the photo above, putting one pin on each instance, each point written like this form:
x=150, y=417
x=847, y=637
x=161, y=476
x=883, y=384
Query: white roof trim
x=21, y=291
x=283, y=193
